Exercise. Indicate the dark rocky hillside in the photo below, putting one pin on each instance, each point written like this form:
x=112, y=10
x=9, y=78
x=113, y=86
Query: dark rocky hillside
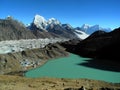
x=103, y=49
x=101, y=45
x=98, y=45
x=11, y=29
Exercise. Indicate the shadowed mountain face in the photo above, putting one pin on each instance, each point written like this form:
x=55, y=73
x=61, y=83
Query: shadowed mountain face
x=40, y=33
x=103, y=49
x=63, y=32
x=98, y=45
x=52, y=31
x=13, y=30
x=101, y=45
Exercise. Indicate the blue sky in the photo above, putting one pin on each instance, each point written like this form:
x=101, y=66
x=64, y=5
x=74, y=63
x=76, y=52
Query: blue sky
x=106, y=13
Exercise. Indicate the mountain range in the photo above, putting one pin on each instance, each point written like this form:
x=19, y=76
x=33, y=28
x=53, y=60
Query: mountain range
x=52, y=26
x=91, y=29
x=11, y=29
x=55, y=26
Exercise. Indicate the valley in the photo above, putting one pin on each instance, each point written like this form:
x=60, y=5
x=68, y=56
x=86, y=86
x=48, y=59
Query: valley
x=24, y=48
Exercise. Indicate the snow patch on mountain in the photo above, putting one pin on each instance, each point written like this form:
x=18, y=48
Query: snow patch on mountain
x=67, y=26
x=55, y=26
x=53, y=21
x=81, y=34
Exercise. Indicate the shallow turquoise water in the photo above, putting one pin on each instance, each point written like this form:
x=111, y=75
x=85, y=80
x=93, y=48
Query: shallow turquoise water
x=68, y=67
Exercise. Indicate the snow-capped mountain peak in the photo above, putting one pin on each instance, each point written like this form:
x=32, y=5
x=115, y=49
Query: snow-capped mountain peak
x=90, y=29
x=40, y=21
x=52, y=25
x=53, y=21
x=85, y=26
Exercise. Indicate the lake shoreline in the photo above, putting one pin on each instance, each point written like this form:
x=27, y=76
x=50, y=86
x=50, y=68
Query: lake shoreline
x=78, y=72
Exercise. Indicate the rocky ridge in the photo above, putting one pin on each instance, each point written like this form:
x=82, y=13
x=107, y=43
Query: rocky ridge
x=11, y=29
x=97, y=44
x=54, y=27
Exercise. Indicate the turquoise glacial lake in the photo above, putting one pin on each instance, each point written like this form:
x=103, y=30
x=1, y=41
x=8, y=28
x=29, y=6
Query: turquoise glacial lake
x=70, y=67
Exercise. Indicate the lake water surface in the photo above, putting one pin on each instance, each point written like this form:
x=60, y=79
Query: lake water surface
x=68, y=67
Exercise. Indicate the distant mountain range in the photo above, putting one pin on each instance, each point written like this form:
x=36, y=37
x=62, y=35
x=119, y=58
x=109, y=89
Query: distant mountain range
x=11, y=29
x=90, y=29
x=53, y=26
x=64, y=30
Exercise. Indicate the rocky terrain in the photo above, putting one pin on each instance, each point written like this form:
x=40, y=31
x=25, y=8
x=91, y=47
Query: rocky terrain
x=20, y=83
x=12, y=63
x=100, y=44
x=23, y=44
x=11, y=29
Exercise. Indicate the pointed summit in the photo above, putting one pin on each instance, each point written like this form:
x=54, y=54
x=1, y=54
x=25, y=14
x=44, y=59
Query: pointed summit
x=85, y=27
x=53, y=21
x=40, y=21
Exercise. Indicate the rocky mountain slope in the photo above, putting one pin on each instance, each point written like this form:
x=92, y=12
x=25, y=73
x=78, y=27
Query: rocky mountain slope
x=103, y=49
x=11, y=29
x=102, y=45
x=12, y=63
x=99, y=44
